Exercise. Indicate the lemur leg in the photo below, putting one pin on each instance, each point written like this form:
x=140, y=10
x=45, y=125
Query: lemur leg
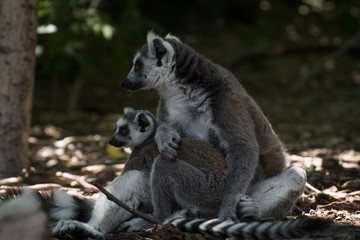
x=277, y=195
x=177, y=184
x=131, y=187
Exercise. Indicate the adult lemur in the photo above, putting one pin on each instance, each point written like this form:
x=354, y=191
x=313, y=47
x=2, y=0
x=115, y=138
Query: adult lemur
x=200, y=99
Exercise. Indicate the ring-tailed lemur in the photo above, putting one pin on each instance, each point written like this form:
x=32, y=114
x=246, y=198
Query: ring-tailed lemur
x=200, y=99
x=197, y=179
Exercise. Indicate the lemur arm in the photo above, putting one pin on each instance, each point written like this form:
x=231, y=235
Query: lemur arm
x=168, y=141
x=242, y=158
x=167, y=137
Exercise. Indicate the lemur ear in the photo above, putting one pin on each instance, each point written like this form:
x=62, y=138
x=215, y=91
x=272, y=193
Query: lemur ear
x=142, y=121
x=150, y=38
x=160, y=49
x=128, y=110
x=169, y=36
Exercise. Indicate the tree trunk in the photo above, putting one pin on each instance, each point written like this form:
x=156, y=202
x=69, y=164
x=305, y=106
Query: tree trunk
x=18, y=22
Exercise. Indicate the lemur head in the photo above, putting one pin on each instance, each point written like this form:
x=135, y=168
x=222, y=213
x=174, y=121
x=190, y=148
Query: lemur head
x=133, y=128
x=153, y=64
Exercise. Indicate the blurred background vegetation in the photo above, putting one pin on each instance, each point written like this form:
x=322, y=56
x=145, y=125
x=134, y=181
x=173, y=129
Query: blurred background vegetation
x=299, y=59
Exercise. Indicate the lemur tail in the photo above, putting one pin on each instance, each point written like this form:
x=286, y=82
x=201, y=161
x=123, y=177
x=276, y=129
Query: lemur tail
x=58, y=205
x=288, y=229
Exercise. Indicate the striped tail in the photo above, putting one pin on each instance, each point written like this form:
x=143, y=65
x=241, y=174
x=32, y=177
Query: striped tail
x=296, y=228
x=58, y=205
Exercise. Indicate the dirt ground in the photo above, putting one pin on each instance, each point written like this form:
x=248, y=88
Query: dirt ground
x=71, y=163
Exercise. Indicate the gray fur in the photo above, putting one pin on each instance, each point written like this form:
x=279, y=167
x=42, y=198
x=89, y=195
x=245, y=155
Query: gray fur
x=200, y=99
x=131, y=187
x=57, y=204
x=197, y=179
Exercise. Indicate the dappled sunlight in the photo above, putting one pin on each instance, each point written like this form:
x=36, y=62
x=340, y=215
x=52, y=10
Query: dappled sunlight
x=333, y=188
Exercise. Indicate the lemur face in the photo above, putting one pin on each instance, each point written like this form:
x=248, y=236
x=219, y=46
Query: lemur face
x=133, y=128
x=153, y=65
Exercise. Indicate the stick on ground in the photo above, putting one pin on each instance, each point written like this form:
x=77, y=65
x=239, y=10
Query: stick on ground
x=126, y=207
x=77, y=179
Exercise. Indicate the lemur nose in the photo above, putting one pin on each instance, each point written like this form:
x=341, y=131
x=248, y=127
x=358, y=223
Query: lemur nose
x=112, y=142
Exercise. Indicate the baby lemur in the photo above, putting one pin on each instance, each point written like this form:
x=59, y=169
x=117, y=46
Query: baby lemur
x=196, y=179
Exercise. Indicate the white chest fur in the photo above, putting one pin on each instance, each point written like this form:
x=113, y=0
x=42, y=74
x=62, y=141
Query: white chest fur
x=189, y=111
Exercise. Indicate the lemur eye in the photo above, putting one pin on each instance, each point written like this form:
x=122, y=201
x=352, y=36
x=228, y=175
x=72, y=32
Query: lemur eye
x=137, y=67
x=123, y=132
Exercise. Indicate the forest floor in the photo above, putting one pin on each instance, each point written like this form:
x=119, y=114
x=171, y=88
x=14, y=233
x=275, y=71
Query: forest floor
x=72, y=163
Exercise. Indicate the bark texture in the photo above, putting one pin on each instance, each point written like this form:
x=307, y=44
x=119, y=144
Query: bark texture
x=18, y=23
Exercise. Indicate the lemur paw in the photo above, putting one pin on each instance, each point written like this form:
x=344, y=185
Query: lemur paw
x=136, y=224
x=228, y=209
x=247, y=208
x=75, y=229
x=168, y=141
x=239, y=207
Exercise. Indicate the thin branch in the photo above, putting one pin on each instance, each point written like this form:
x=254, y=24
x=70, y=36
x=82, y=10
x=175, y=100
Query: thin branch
x=77, y=179
x=11, y=180
x=126, y=207
x=299, y=209
x=102, y=168
x=36, y=187
x=311, y=187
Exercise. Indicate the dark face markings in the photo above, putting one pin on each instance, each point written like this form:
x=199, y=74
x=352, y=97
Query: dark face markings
x=138, y=65
x=123, y=131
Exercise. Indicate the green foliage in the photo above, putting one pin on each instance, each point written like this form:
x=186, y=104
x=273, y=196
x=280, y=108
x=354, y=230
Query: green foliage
x=92, y=21
x=92, y=42
x=79, y=46
x=44, y=9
